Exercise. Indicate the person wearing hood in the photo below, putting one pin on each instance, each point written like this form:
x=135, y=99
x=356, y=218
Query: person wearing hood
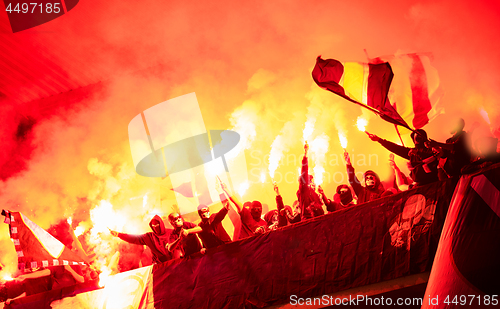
x=183, y=241
x=341, y=200
x=285, y=214
x=155, y=240
x=373, y=188
x=423, y=163
x=251, y=221
x=455, y=153
x=310, y=202
x=213, y=233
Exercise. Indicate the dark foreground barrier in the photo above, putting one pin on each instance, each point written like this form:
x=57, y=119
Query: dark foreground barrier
x=385, y=239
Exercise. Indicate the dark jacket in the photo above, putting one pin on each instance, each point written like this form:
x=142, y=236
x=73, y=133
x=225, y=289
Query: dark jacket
x=188, y=245
x=460, y=156
x=309, y=200
x=364, y=194
x=155, y=242
x=285, y=213
x=423, y=163
x=214, y=234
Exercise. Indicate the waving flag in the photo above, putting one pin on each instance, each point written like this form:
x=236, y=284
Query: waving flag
x=365, y=84
x=415, y=90
x=35, y=247
x=468, y=253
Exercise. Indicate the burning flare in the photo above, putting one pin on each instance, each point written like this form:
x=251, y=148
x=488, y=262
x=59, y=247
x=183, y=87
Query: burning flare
x=318, y=150
x=308, y=129
x=361, y=123
x=343, y=140
x=275, y=155
x=243, y=188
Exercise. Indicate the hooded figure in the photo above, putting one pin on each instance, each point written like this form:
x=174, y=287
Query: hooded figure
x=213, y=233
x=423, y=162
x=271, y=218
x=183, y=241
x=341, y=200
x=155, y=240
x=345, y=195
x=309, y=200
x=372, y=188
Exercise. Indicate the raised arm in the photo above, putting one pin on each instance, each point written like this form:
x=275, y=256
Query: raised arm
x=133, y=239
x=392, y=147
x=304, y=172
x=193, y=230
x=326, y=201
x=33, y=275
x=351, y=175
x=401, y=180
x=172, y=245
x=77, y=277
x=233, y=198
x=222, y=213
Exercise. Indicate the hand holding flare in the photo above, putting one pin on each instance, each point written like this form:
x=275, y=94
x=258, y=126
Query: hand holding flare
x=373, y=137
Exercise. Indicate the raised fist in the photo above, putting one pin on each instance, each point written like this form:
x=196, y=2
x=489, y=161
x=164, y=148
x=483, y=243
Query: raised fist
x=276, y=189
x=320, y=190
x=347, y=159
x=373, y=137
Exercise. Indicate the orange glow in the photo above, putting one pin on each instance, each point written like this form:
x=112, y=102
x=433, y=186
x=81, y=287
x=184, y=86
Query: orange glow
x=308, y=130
x=318, y=174
x=79, y=230
x=343, y=140
x=104, y=276
x=243, y=188
x=78, y=80
x=361, y=123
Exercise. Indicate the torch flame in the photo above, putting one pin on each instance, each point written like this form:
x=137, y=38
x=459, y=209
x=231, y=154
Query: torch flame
x=7, y=277
x=318, y=174
x=318, y=149
x=308, y=129
x=361, y=123
x=70, y=221
x=343, y=140
x=484, y=114
x=79, y=230
x=243, y=188
x=104, y=276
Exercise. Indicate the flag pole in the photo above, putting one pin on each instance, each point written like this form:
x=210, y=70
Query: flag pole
x=399, y=134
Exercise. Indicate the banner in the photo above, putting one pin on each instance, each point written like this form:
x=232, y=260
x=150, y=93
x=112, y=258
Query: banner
x=35, y=247
x=466, y=270
x=381, y=240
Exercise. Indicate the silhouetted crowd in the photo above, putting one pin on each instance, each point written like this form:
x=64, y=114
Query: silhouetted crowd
x=428, y=161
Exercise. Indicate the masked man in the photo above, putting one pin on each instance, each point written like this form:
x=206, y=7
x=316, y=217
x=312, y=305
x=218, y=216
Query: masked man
x=309, y=200
x=251, y=221
x=155, y=240
x=213, y=233
x=341, y=200
x=373, y=188
x=423, y=163
x=183, y=241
